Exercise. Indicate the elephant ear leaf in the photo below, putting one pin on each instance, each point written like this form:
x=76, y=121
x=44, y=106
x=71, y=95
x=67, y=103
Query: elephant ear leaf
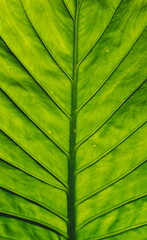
x=73, y=113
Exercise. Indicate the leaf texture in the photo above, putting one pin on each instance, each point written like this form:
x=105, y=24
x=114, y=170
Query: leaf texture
x=73, y=120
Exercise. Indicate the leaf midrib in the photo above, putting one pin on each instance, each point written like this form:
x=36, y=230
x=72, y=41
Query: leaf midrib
x=72, y=141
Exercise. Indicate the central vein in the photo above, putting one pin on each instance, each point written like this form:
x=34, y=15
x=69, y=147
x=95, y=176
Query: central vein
x=72, y=151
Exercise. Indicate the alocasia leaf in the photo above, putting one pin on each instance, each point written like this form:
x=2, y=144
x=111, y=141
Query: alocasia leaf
x=72, y=115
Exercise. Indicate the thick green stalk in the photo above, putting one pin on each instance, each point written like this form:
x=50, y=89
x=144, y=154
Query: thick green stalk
x=72, y=150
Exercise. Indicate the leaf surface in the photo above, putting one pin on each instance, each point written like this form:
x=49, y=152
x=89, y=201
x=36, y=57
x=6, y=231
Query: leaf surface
x=73, y=120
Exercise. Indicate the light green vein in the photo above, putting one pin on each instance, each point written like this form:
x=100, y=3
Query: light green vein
x=37, y=80
x=97, y=40
x=36, y=202
x=44, y=44
x=110, y=150
x=113, y=112
x=118, y=232
x=36, y=159
x=111, y=73
x=110, y=210
x=80, y=201
x=33, y=120
x=34, y=221
x=41, y=179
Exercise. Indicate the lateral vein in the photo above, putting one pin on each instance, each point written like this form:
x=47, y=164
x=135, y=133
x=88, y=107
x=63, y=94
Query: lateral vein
x=36, y=202
x=112, y=182
x=111, y=149
x=110, y=210
x=97, y=40
x=35, y=158
x=44, y=44
x=34, y=221
x=34, y=122
x=37, y=80
x=111, y=73
x=30, y=174
x=112, y=113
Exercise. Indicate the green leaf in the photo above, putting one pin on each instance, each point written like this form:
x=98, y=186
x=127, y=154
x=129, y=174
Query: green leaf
x=73, y=120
